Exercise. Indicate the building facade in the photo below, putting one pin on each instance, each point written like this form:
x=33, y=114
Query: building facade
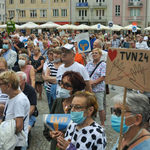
x=126, y=12
x=38, y=11
x=91, y=11
x=2, y=12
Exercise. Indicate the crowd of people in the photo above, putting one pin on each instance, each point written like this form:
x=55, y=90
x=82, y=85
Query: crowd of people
x=74, y=84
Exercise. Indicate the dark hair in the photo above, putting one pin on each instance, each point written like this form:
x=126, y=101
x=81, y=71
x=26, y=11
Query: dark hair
x=77, y=81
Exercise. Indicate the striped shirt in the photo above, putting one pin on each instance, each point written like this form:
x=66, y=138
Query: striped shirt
x=53, y=73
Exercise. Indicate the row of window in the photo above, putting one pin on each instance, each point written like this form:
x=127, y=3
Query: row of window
x=34, y=1
x=33, y=13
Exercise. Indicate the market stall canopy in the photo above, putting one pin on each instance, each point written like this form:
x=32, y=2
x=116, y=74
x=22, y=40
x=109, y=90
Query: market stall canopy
x=102, y=27
x=129, y=27
x=67, y=27
x=115, y=27
x=29, y=25
x=3, y=26
x=83, y=27
x=147, y=29
x=49, y=25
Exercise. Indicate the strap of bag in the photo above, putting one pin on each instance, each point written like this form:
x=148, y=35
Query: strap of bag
x=96, y=68
x=5, y=113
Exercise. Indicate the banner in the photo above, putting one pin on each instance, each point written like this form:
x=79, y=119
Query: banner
x=129, y=68
x=57, y=121
x=83, y=42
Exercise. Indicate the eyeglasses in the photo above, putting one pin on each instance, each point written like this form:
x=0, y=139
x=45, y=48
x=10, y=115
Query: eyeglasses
x=117, y=111
x=77, y=107
x=65, y=84
x=95, y=53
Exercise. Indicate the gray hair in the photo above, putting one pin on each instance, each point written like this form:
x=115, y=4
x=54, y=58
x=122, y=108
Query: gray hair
x=137, y=104
x=24, y=55
x=23, y=75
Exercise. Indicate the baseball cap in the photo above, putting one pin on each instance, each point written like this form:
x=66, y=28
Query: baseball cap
x=69, y=47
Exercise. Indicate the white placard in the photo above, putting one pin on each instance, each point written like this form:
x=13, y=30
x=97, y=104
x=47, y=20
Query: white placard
x=83, y=42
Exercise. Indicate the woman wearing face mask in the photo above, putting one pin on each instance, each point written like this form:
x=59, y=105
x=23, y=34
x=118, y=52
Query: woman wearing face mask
x=37, y=61
x=71, y=82
x=84, y=133
x=50, y=76
x=137, y=114
x=28, y=69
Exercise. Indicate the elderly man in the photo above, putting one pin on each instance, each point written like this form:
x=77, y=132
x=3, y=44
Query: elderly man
x=17, y=107
x=68, y=55
x=9, y=55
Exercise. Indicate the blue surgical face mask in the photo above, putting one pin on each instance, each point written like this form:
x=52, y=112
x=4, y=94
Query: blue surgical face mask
x=5, y=46
x=78, y=117
x=64, y=93
x=116, y=122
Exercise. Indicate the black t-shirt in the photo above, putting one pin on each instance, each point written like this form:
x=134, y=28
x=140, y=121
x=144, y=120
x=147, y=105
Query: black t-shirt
x=29, y=91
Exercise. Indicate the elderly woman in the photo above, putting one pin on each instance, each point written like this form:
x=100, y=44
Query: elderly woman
x=28, y=69
x=37, y=61
x=137, y=114
x=97, y=70
x=71, y=82
x=84, y=133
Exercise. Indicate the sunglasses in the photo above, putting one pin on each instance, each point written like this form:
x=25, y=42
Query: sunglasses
x=77, y=107
x=65, y=84
x=117, y=111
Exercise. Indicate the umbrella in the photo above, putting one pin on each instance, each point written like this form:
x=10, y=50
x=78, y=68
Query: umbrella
x=67, y=26
x=49, y=25
x=148, y=29
x=116, y=27
x=102, y=27
x=29, y=25
x=82, y=27
x=129, y=27
x=4, y=26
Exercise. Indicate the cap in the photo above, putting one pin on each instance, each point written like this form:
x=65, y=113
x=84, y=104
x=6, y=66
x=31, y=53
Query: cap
x=69, y=47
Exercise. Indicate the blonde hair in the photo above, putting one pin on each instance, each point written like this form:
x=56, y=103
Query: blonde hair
x=90, y=100
x=99, y=50
x=2, y=59
x=10, y=77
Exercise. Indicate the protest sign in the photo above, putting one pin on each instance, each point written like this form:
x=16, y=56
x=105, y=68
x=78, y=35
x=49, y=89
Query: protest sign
x=57, y=121
x=128, y=68
x=83, y=42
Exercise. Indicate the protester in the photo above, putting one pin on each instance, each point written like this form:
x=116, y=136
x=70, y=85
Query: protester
x=37, y=61
x=97, y=70
x=9, y=55
x=17, y=107
x=28, y=69
x=137, y=109
x=71, y=82
x=84, y=132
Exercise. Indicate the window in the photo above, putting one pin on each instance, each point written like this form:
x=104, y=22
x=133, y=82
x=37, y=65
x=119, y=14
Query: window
x=64, y=12
x=33, y=1
x=43, y=13
x=63, y=1
x=0, y=17
x=82, y=1
x=22, y=1
x=22, y=13
x=33, y=13
x=3, y=6
x=100, y=12
x=134, y=12
x=11, y=13
x=55, y=1
x=55, y=12
x=100, y=1
x=43, y=1
x=11, y=1
x=117, y=10
x=82, y=13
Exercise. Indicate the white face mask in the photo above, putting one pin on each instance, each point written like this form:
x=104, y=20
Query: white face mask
x=21, y=62
x=56, y=60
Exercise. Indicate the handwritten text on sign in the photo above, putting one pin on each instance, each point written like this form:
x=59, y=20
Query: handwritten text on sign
x=129, y=68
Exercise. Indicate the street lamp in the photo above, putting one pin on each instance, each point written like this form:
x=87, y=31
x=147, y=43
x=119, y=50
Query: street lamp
x=18, y=12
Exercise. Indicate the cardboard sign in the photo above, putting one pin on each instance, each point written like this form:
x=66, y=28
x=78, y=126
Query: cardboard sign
x=57, y=121
x=83, y=42
x=129, y=68
x=134, y=28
